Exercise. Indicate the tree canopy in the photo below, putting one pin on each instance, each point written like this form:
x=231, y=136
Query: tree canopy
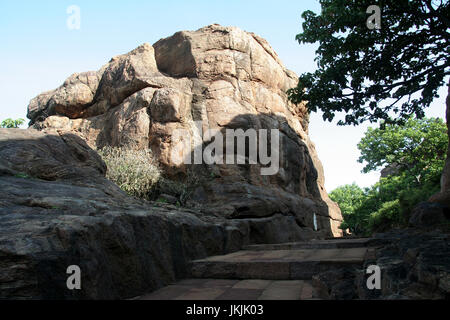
x=417, y=146
x=11, y=123
x=350, y=198
x=417, y=150
x=372, y=74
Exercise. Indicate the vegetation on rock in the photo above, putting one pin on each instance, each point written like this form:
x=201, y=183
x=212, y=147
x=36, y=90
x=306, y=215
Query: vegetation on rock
x=137, y=172
x=134, y=171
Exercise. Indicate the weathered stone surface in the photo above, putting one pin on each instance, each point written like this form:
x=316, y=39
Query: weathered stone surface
x=336, y=284
x=57, y=209
x=218, y=289
x=70, y=99
x=276, y=264
x=414, y=265
x=428, y=215
x=225, y=78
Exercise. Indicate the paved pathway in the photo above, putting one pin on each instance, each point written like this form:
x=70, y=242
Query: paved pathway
x=264, y=272
x=220, y=289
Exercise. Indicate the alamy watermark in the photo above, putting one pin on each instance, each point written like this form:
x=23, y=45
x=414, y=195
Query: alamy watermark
x=209, y=147
x=74, y=280
x=73, y=21
x=374, y=280
x=374, y=20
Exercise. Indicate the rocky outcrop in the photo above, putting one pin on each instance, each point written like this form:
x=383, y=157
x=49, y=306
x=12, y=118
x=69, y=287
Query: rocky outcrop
x=429, y=215
x=220, y=78
x=413, y=263
x=57, y=209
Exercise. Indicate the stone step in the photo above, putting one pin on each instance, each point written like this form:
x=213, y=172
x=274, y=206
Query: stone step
x=219, y=289
x=295, y=264
x=313, y=244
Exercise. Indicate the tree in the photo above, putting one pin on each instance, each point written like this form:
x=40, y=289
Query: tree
x=350, y=198
x=417, y=150
x=10, y=123
x=418, y=147
x=375, y=74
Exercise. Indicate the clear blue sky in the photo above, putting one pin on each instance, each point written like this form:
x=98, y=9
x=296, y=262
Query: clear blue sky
x=39, y=52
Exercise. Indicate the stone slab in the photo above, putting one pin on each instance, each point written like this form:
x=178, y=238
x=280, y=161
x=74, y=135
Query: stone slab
x=312, y=244
x=219, y=289
x=276, y=264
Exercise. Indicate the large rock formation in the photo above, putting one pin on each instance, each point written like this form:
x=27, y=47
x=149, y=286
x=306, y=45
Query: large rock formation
x=57, y=209
x=223, y=78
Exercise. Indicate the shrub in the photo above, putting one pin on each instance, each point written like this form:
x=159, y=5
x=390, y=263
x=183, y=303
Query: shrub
x=11, y=123
x=138, y=174
x=411, y=197
x=134, y=171
x=387, y=217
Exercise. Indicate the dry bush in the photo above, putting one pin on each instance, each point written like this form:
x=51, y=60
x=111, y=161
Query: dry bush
x=134, y=171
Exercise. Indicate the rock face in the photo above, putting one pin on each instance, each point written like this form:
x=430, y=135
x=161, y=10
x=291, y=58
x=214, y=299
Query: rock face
x=57, y=209
x=428, y=215
x=413, y=265
x=217, y=78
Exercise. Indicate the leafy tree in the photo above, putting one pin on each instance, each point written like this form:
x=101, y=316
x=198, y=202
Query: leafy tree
x=418, y=147
x=402, y=64
x=10, y=123
x=350, y=198
x=418, y=151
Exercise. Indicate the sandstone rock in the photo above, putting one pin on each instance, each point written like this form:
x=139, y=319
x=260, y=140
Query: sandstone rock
x=127, y=74
x=49, y=156
x=223, y=78
x=75, y=95
x=57, y=209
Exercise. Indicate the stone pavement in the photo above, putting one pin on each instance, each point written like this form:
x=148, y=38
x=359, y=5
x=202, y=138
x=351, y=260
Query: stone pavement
x=298, y=264
x=314, y=244
x=219, y=289
x=270, y=271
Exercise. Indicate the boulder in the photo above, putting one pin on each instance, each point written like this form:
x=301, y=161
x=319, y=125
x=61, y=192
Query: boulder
x=70, y=99
x=428, y=215
x=216, y=78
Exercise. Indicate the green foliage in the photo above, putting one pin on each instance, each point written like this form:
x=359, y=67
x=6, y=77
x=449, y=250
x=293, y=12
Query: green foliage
x=418, y=152
x=388, y=216
x=419, y=146
x=11, y=123
x=134, y=171
x=403, y=63
x=409, y=197
x=349, y=197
